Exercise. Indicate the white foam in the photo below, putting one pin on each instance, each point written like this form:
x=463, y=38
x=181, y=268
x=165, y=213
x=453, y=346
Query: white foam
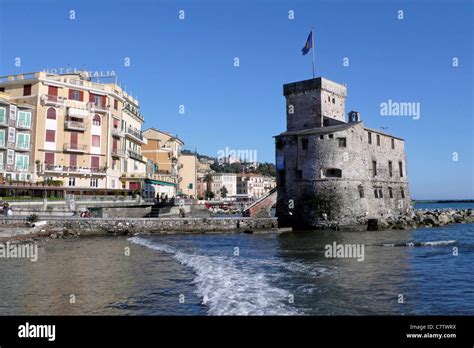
x=437, y=243
x=226, y=287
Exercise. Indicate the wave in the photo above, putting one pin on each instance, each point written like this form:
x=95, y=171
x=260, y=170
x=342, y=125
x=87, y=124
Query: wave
x=227, y=288
x=420, y=244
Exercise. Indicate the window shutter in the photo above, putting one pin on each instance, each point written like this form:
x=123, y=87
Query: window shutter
x=104, y=100
x=70, y=94
x=81, y=95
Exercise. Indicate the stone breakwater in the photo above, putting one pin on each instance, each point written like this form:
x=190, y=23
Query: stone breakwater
x=101, y=226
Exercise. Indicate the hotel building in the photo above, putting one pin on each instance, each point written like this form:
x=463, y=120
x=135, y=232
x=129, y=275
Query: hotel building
x=87, y=134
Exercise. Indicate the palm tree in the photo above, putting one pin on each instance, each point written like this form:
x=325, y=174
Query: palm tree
x=208, y=180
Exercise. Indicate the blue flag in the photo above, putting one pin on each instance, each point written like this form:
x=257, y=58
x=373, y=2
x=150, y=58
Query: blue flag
x=309, y=44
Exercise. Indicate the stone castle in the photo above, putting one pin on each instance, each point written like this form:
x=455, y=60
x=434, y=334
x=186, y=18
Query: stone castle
x=330, y=169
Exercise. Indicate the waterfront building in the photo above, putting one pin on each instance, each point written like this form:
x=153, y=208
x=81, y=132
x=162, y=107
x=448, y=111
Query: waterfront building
x=16, y=122
x=158, y=185
x=330, y=168
x=188, y=174
x=219, y=180
x=254, y=185
x=86, y=134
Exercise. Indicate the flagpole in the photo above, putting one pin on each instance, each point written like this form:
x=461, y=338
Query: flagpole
x=312, y=46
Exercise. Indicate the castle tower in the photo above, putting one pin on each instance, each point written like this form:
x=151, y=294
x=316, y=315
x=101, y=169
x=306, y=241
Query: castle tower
x=314, y=103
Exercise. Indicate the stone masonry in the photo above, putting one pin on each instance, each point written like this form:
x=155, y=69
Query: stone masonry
x=330, y=169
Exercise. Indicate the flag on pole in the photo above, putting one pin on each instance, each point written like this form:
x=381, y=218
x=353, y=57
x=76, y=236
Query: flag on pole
x=309, y=44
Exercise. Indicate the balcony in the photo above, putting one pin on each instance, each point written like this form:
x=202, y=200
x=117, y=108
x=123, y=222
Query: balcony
x=74, y=125
x=75, y=148
x=50, y=168
x=21, y=168
x=117, y=132
x=54, y=100
x=23, y=146
x=135, y=155
x=94, y=107
x=135, y=134
x=23, y=124
x=119, y=153
x=133, y=110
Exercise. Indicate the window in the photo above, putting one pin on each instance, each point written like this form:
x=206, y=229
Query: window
x=72, y=160
x=299, y=174
x=53, y=92
x=400, y=169
x=2, y=139
x=3, y=111
x=378, y=192
x=95, y=162
x=2, y=89
x=369, y=134
x=10, y=156
x=281, y=177
x=23, y=140
x=329, y=98
x=390, y=171
x=115, y=104
x=24, y=119
x=331, y=136
x=393, y=143
x=374, y=168
x=331, y=173
x=341, y=142
x=96, y=121
x=49, y=158
x=51, y=114
x=304, y=144
x=361, y=192
x=94, y=182
x=27, y=90
x=22, y=162
x=11, y=134
x=402, y=192
x=378, y=140
x=333, y=100
x=321, y=137
x=376, y=195
x=390, y=192
x=72, y=181
x=50, y=135
x=96, y=140
x=76, y=95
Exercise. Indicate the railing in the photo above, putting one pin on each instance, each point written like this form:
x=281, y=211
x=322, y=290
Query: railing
x=23, y=146
x=23, y=124
x=74, y=147
x=75, y=125
x=118, y=152
x=98, y=106
x=118, y=132
x=53, y=99
x=72, y=169
x=135, y=133
x=21, y=167
x=135, y=155
x=25, y=76
x=132, y=109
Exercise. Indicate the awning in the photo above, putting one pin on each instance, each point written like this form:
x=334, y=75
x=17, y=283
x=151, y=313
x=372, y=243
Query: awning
x=159, y=182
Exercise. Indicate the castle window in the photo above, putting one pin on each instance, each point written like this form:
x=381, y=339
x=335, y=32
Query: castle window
x=304, y=144
x=374, y=168
x=402, y=192
x=321, y=137
x=393, y=143
x=378, y=192
x=333, y=100
x=378, y=140
x=361, y=192
x=331, y=173
x=400, y=169
x=369, y=134
x=376, y=195
x=390, y=171
x=329, y=98
x=341, y=142
x=331, y=136
x=390, y=192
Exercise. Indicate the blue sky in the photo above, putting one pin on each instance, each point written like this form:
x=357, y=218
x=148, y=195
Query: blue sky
x=190, y=62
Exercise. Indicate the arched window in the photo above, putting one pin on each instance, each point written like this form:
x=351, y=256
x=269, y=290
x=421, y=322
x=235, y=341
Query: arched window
x=96, y=121
x=51, y=114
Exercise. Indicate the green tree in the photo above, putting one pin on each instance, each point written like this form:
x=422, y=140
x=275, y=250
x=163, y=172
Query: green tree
x=224, y=192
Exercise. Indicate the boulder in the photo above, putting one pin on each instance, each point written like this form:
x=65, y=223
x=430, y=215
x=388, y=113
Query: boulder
x=458, y=218
x=430, y=220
